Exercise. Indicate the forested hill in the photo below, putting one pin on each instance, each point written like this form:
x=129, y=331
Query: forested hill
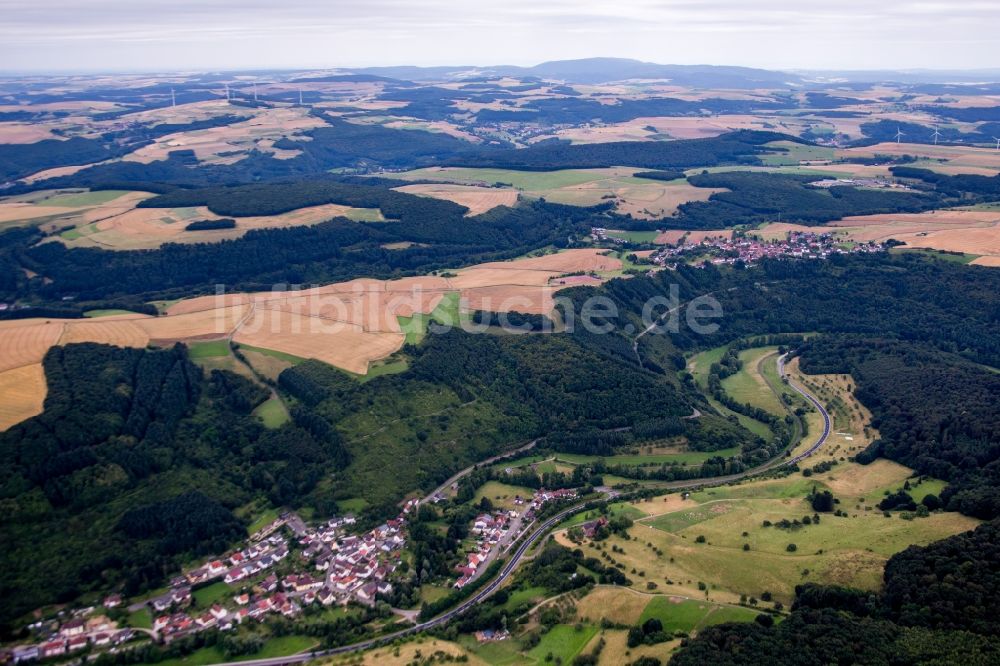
x=339, y=249
x=740, y=147
x=133, y=467
x=936, y=413
x=940, y=605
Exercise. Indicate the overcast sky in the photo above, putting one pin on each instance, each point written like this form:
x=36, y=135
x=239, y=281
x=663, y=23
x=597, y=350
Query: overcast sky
x=230, y=34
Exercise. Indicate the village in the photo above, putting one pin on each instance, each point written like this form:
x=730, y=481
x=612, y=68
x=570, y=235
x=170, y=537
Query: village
x=747, y=249
x=750, y=250
x=329, y=566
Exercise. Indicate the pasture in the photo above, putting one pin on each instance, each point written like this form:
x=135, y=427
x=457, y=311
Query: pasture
x=562, y=642
x=749, y=384
x=501, y=494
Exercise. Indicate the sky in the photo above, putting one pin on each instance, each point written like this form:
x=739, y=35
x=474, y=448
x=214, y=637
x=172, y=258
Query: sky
x=209, y=35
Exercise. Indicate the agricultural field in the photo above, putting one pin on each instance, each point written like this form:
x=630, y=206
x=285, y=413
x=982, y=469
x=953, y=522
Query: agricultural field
x=51, y=210
x=640, y=197
x=230, y=143
x=367, y=320
x=23, y=390
x=109, y=219
x=477, y=199
x=943, y=159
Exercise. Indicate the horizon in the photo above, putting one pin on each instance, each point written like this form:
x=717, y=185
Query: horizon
x=222, y=35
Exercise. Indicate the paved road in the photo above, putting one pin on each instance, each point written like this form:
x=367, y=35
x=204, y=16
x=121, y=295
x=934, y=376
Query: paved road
x=540, y=532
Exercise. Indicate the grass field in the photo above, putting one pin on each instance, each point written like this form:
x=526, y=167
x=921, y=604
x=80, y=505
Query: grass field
x=699, y=366
x=682, y=457
x=274, y=647
x=83, y=199
x=264, y=519
x=797, y=152
x=614, y=509
x=204, y=597
x=289, y=358
x=141, y=619
x=501, y=494
x=688, y=615
x=749, y=385
x=272, y=412
x=563, y=642
x=635, y=236
x=849, y=550
x=446, y=313
x=210, y=349
x=105, y=313
x=382, y=368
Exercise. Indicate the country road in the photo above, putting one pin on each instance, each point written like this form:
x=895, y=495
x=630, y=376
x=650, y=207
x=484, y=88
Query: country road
x=541, y=531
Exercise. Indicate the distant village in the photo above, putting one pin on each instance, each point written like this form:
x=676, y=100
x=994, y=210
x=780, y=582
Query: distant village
x=747, y=249
x=332, y=566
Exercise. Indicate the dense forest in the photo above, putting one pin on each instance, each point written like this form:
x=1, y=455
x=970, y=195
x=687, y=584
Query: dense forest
x=739, y=147
x=135, y=465
x=939, y=606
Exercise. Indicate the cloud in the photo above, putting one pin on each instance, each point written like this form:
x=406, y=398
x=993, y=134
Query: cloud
x=163, y=34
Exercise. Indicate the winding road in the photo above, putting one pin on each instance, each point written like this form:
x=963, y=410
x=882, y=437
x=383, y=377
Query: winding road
x=539, y=532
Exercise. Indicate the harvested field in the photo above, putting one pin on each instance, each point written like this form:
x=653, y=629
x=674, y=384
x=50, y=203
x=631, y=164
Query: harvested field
x=118, y=330
x=348, y=324
x=53, y=209
x=203, y=325
x=583, y=280
x=614, y=603
x=947, y=159
x=477, y=199
x=25, y=341
x=969, y=231
x=149, y=228
x=490, y=277
x=509, y=298
x=860, y=480
x=340, y=344
x=201, y=303
x=23, y=390
x=15, y=132
x=986, y=261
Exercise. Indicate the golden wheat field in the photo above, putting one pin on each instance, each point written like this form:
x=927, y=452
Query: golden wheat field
x=23, y=391
x=477, y=199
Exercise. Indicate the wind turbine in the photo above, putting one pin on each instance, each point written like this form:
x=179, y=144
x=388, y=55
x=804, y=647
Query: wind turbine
x=937, y=134
x=255, y=91
x=998, y=142
x=173, y=98
x=300, y=96
x=899, y=134
x=227, y=94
